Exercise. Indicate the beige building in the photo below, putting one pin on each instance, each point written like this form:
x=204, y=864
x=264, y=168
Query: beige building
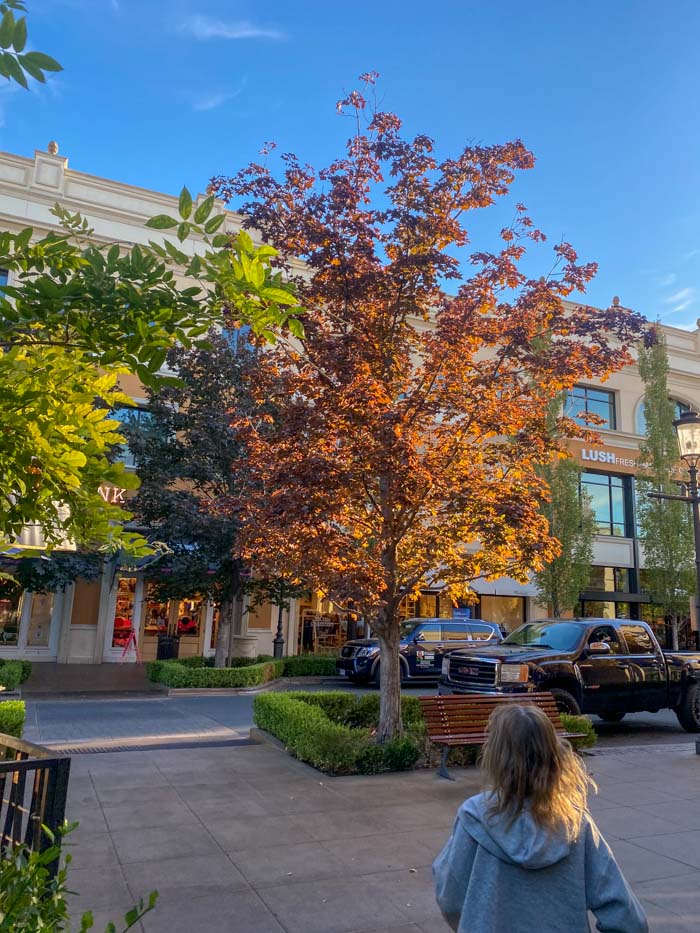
x=92, y=622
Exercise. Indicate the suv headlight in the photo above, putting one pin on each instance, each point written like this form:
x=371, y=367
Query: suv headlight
x=514, y=673
x=445, y=667
x=367, y=652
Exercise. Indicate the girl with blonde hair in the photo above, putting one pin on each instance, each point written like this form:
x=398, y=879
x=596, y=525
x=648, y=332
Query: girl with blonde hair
x=525, y=855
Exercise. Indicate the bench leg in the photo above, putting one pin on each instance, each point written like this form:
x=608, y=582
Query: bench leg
x=442, y=770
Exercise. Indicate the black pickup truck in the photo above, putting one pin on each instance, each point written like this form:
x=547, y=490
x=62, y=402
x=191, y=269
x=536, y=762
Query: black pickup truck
x=604, y=666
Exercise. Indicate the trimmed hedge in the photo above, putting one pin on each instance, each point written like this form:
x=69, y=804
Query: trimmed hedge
x=245, y=672
x=12, y=713
x=176, y=674
x=314, y=728
x=12, y=674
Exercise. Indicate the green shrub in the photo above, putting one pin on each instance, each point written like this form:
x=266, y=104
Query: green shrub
x=31, y=900
x=197, y=661
x=26, y=670
x=11, y=674
x=306, y=665
x=579, y=724
x=315, y=727
x=12, y=713
x=176, y=674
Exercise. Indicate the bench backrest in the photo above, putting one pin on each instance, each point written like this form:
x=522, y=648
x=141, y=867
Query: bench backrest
x=447, y=716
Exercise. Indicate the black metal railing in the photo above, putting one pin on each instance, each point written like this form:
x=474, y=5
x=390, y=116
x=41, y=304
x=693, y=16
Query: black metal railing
x=33, y=790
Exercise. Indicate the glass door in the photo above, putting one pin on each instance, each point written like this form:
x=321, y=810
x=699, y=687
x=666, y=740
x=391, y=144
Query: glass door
x=125, y=620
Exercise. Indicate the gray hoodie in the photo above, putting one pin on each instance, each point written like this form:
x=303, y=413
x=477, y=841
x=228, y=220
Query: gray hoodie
x=491, y=878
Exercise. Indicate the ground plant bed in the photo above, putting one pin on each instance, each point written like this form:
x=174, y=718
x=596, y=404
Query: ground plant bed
x=336, y=732
x=245, y=672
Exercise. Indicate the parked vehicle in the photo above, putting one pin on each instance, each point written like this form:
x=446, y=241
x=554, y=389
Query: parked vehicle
x=609, y=667
x=424, y=643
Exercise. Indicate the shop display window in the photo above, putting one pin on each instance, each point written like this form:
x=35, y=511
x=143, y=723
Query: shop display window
x=10, y=615
x=156, y=614
x=124, y=611
x=40, y=620
x=189, y=618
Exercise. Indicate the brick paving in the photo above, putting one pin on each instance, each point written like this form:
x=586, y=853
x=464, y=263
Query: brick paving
x=248, y=840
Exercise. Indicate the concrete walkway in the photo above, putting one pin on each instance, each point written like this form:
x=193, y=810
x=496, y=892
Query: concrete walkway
x=248, y=840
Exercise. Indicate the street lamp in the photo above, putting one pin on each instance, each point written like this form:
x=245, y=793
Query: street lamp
x=687, y=428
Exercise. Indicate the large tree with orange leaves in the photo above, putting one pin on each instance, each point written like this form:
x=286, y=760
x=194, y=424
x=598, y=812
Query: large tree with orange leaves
x=412, y=419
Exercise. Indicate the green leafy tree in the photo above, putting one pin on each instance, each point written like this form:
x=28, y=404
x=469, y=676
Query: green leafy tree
x=15, y=63
x=77, y=315
x=571, y=521
x=665, y=529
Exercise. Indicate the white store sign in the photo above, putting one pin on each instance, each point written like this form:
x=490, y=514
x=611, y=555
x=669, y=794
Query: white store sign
x=607, y=456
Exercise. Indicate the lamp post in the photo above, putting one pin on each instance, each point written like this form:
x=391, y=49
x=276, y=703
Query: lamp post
x=687, y=428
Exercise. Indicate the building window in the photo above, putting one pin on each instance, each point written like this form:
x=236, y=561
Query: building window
x=607, y=497
x=132, y=419
x=584, y=400
x=599, y=609
x=609, y=580
x=641, y=422
x=11, y=599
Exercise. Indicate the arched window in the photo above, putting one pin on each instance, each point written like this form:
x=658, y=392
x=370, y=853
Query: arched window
x=641, y=423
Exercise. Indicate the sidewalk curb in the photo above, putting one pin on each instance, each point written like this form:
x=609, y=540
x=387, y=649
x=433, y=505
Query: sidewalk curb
x=271, y=686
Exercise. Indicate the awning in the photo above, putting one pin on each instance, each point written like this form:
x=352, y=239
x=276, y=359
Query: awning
x=503, y=586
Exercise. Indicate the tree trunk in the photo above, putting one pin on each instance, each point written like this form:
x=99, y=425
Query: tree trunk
x=390, y=722
x=223, y=634
x=675, y=625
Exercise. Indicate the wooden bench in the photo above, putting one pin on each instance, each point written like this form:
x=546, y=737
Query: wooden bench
x=461, y=720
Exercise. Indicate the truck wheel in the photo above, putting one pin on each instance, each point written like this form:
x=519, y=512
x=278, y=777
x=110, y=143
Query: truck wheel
x=566, y=703
x=688, y=710
x=612, y=716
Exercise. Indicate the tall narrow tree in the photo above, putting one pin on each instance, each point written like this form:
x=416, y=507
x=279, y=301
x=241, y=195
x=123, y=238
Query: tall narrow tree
x=570, y=520
x=413, y=423
x=665, y=529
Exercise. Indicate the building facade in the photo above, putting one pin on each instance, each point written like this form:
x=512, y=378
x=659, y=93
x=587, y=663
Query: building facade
x=118, y=617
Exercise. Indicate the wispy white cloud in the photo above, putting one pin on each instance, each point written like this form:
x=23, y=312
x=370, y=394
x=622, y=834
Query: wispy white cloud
x=202, y=27
x=664, y=281
x=214, y=99
x=679, y=300
x=691, y=254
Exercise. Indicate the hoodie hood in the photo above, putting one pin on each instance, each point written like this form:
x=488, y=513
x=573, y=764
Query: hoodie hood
x=524, y=843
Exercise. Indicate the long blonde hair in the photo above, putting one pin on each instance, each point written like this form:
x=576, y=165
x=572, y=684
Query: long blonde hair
x=525, y=763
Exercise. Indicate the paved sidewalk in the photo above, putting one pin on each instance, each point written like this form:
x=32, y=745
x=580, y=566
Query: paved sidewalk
x=248, y=840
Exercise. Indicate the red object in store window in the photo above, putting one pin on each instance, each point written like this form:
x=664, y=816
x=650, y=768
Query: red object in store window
x=186, y=626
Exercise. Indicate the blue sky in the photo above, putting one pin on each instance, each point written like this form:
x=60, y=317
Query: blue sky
x=605, y=93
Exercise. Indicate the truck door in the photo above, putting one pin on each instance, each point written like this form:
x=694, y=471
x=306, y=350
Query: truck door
x=647, y=667
x=606, y=677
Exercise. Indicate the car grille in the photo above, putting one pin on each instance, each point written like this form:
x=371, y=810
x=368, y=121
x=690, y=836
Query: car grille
x=473, y=672
x=348, y=651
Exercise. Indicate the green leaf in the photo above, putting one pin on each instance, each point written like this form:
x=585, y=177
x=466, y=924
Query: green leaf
x=221, y=240
x=245, y=241
x=161, y=222
x=212, y=225
x=14, y=68
x=7, y=29
x=45, y=62
x=296, y=328
x=183, y=231
x=279, y=296
x=19, y=39
x=256, y=273
x=204, y=210
x=23, y=238
x=185, y=205
x=113, y=254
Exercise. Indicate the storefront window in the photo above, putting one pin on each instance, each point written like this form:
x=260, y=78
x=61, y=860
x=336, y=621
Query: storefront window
x=11, y=598
x=427, y=605
x=189, y=618
x=606, y=496
x=156, y=614
x=40, y=620
x=598, y=609
x=503, y=610
x=124, y=611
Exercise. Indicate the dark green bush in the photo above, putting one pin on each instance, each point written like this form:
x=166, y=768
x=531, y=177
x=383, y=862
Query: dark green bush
x=314, y=727
x=12, y=713
x=306, y=665
x=26, y=670
x=197, y=661
x=579, y=724
x=176, y=674
x=11, y=674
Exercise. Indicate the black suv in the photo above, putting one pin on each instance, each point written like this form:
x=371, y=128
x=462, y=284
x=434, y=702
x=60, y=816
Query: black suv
x=424, y=643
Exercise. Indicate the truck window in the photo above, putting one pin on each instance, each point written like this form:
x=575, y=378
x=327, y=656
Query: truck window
x=638, y=639
x=607, y=634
